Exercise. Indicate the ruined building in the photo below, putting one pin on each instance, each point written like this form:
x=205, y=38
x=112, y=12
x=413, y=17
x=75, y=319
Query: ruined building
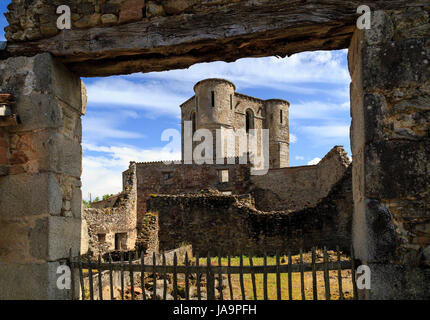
x=40, y=155
x=294, y=206
x=216, y=105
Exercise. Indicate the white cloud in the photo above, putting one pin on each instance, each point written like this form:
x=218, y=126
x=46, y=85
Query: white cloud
x=155, y=98
x=314, y=161
x=317, y=110
x=299, y=158
x=161, y=93
x=327, y=131
x=293, y=138
x=309, y=67
x=102, y=174
x=99, y=128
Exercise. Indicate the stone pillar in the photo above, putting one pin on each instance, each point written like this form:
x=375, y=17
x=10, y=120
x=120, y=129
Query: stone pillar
x=40, y=192
x=390, y=108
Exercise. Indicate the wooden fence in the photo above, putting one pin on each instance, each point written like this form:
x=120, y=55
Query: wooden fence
x=210, y=272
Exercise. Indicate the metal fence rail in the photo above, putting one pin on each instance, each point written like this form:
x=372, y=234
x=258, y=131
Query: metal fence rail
x=210, y=272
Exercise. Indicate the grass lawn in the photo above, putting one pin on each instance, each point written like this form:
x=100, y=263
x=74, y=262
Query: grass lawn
x=296, y=284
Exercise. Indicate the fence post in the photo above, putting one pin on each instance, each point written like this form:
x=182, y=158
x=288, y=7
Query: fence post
x=210, y=280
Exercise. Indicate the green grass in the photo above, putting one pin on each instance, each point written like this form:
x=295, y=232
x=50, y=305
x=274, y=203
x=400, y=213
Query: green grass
x=296, y=283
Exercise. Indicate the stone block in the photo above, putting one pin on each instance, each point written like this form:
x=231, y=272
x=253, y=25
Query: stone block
x=14, y=241
x=154, y=9
x=30, y=195
x=411, y=23
x=47, y=150
x=53, y=237
x=38, y=110
x=43, y=74
x=88, y=21
x=381, y=30
x=177, y=6
x=131, y=10
x=30, y=282
x=402, y=63
x=397, y=169
x=395, y=282
x=64, y=84
x=109, y=19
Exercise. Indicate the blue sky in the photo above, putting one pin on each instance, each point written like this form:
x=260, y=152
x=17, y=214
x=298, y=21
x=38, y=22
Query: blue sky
x=127, y=114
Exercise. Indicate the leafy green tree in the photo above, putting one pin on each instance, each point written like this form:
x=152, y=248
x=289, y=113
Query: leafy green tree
x=107, y=196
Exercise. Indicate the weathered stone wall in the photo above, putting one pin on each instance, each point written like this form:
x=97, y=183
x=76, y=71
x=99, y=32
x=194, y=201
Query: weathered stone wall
x=390, y=98
x=112, y=220
x=291, y=188
x=37, y=19
x=203, y=31
x=40, y=161
x=230, y=224
x=296, y=188
x=106, y=203
x=152, y=179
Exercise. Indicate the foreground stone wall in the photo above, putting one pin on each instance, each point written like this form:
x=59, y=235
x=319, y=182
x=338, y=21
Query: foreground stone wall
x=390, y=99
x=104, y=223
x=40, y=161
x=230, y=224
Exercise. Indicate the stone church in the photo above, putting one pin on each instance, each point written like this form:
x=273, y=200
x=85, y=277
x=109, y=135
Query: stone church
x=141, y=215
x=216, y=105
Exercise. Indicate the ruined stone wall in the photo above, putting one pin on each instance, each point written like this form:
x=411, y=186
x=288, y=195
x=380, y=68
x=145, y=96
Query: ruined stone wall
x=230, y=224
x=295, y=188
x=106, y=203
x=40, y=165
x=111, y=220
x=390, y=98
x=291, y=188
x=152, y=178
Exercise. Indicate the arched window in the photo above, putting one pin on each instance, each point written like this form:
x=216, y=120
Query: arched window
x=249, y=120
x=193, y=119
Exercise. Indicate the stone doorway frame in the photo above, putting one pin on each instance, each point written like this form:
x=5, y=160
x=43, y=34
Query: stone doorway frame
x=43, y=151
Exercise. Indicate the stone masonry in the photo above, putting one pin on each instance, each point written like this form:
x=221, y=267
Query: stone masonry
x=40, y=156
x=40, y=187
x=390, y=99
x=230, y=224
x=113, y=227
x=217, y=106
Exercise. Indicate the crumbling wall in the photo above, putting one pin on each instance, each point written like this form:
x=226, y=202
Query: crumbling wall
x=295, y=188
x=224, y=224
x=159, y=178
x=108, y=202
x=118, y=219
